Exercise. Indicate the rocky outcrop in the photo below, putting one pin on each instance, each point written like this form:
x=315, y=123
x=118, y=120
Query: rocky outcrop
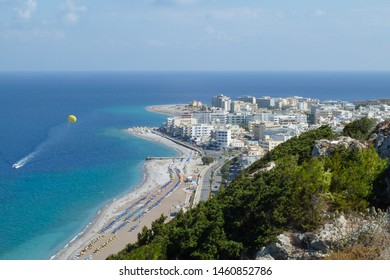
x=326, y=147
x=381, y=140
x=339, y=233
x=281, y=250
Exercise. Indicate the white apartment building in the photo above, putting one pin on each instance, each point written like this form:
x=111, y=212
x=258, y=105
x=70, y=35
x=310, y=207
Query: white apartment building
x=349, y=107
x=219, y=118
x=200, y=130
x=202, y=117
x=224, y=138
x=254, y=151
x=385, y=108
x=284, y=119
x=269, y=145
x=236, y=143
x=236, y=106
x=342, y=114
x=221, y=101
x=170, y=121
x=300, y=118
x=303, y=106
x=239, y=106
x=258, y=129
x=235, y=119
x=291, y=101
x=177, y=121
x=257, y=118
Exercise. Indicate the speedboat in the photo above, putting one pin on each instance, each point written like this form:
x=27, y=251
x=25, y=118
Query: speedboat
x=15, y=166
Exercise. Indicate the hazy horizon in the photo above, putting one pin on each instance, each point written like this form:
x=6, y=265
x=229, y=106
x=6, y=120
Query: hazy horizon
x=194, y=35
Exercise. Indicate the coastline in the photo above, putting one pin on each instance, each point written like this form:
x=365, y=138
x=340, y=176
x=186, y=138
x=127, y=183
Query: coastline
x=174, y=110
x=163, y=187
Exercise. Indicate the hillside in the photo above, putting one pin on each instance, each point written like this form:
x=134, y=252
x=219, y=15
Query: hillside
x=300, y=194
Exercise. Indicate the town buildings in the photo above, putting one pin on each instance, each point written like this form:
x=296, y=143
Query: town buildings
x=256, y=125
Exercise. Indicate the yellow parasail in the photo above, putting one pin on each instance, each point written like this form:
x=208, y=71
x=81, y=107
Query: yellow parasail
x=72, y=118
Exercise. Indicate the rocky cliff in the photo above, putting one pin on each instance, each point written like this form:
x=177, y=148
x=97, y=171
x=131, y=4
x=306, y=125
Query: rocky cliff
x=381, y=140
x=342, y=236
x=369, y=231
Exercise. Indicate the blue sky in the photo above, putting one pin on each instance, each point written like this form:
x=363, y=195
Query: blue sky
x=194, y=35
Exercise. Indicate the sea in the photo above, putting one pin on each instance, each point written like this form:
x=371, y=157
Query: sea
x=69, y=171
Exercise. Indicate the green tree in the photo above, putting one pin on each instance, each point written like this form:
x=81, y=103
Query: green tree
x=310, y=194
x=207, y=160
x=354, y=173
x=359, y=129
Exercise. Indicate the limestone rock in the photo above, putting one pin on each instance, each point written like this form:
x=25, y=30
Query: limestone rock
x=263, y=255
x=330, y=235
x=326, y=147
x=381, y=140
x=338, y=234
x=281, y=250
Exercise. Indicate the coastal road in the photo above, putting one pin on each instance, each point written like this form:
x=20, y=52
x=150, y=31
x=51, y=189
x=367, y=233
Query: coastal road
x=205, y=192
x=206, y=187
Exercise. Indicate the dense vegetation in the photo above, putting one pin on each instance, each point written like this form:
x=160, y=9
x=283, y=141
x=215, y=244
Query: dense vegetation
x=260, y=204
x=360, y=128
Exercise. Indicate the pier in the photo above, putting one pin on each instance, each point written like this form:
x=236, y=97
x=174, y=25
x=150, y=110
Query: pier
x=162, y=158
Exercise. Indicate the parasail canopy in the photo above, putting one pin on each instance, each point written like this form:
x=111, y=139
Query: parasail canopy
x=72, y=118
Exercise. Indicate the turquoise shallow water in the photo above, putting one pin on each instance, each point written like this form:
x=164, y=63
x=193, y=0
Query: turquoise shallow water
x=71, y=170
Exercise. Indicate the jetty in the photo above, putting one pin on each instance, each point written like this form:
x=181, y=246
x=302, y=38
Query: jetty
x=162, y=158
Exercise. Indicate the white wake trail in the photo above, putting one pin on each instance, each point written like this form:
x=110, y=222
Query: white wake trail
x=55, y=136
x=24, y=160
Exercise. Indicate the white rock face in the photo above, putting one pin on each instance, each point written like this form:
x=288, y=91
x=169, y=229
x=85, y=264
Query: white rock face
x=281, y=250
x=326, y=147
x=330, y=235
x=334, y=235
x=381, y=140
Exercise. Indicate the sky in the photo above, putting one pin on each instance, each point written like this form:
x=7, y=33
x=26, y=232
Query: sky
x=194, y=35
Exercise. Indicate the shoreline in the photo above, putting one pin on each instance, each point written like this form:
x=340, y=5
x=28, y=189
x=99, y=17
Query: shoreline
x=96, y=221
x=92, y=243
x=174, y=110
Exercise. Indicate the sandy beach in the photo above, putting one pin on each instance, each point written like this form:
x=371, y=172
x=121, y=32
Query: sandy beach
x=169, y=185
x=170, y=109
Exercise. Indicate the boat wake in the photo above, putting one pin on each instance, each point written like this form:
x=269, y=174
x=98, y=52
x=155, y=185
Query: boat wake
x=55, y=137
x=23, y=161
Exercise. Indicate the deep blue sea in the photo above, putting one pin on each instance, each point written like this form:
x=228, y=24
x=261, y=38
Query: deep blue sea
x=71, y=170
